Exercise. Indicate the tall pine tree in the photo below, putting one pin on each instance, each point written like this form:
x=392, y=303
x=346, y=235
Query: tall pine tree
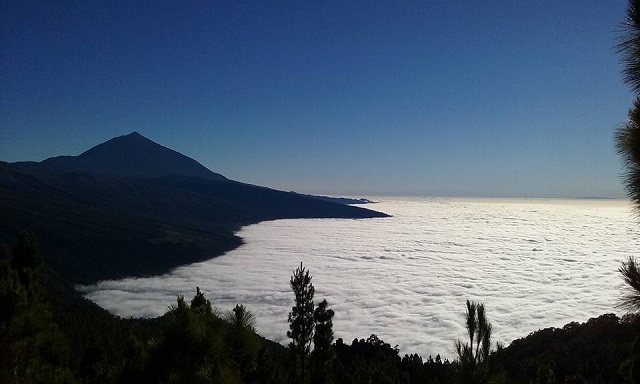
x=628, y=143
x=301, y=318
x=322, y=339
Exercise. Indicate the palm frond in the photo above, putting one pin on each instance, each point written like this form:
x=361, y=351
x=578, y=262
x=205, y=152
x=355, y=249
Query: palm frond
x=628, y=145
x=631, y=276
x=629, y=46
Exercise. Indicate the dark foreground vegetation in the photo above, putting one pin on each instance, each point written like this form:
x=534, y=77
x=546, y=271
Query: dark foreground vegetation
x=50, y=334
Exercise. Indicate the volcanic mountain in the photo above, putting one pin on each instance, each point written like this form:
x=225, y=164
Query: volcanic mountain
x=129, y=155
x=131, y=207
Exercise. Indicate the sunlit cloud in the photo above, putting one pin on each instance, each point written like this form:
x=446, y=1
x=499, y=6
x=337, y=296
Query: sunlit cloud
x=535, y=264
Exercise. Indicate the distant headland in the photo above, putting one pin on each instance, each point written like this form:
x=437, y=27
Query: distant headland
x=132, y=207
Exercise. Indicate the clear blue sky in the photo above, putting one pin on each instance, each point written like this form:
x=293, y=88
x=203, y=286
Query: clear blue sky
x=485, y=98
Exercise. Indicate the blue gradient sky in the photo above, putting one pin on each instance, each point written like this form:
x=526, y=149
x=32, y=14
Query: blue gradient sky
x=491, y=98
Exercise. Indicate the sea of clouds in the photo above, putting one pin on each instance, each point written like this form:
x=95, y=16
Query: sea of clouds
x=534, y=263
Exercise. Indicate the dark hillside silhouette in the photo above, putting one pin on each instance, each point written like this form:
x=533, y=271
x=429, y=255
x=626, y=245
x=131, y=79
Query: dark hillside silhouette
x=96, y=223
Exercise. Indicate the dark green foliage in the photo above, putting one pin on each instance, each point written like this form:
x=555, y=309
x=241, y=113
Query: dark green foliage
x=631, y=276
x=630, y=46
x=272, y=364
x=322, y=339
x=474, y=355
x=103, y=348
x=13, y=294
x=628, y=136
x=241, y=319
x=368, y=361
x=197, y=346
x=32, y=348
x=323, y=336
x=54, y=335
x=242, y=340
x=628, y=144
x=191, y=349
x=301, y=322
x=630, y=369
x=374, y=361
x=595, y=350
x=433, y=371
x=25, y=256
x=200, y=303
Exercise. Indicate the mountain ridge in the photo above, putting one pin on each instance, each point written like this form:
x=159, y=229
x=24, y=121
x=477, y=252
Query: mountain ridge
x=131, y=155
x=95, y=225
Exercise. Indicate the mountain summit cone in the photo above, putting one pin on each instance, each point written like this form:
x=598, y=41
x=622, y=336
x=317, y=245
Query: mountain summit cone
x=131, y=155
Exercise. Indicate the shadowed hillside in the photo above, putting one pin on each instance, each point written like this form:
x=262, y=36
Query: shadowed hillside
x=96, y=225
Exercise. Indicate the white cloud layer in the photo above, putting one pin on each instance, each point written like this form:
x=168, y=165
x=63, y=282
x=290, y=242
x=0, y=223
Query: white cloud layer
x=534, y=263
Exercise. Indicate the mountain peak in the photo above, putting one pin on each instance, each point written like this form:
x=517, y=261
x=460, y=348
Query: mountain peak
x=131, y=155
